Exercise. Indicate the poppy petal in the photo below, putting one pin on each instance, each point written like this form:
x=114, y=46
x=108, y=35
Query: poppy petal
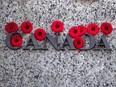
x=57, y=26
x=93, y=29
x=26, y=27
x=74, y=31
x=40, y=34
x=106, y=28
x=11, y=27
x=16, y=40
x=78, y=42
x=82, y=29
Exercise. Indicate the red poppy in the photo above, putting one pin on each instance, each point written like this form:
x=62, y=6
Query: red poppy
x=57, y=26
x=93, y=29
x=11, y=27
x=40, y=34
x=26, y=27
x=82, y=29
x=16, y=40
x=106, y=28
x=78, y=42
x=74, y=31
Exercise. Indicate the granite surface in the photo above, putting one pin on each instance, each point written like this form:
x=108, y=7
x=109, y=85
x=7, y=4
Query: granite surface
x=52, y=68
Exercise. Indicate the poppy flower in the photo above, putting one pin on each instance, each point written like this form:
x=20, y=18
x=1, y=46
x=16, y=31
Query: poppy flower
x=40, y=34
x=26, y=27
x=106, y=28
x=82, y=29
x=16, y=40
x=93, y=29
x=57, y=26
x=74, y=31
x=78, y=42
x=11, y=27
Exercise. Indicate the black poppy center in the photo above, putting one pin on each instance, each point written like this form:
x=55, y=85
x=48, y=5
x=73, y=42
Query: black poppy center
x=16, y=40
x=78, y=42
x=11, y=27
x=92, y=28
x=26, y=27
x=106, y=28
x=40, y=33
x=81, y=30
x=75, y=31
x=57, y=26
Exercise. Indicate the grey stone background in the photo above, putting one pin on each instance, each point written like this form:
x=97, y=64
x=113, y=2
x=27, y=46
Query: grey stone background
x=57, y=68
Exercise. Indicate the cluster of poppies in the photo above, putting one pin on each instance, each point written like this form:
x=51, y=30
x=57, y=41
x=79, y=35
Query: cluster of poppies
x=26, y=28
x=76, y=32
x=57, y=26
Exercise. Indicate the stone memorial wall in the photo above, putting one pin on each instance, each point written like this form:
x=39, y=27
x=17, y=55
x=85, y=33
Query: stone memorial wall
x=52, y=68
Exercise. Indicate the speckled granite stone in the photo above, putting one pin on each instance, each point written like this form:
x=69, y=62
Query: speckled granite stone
x=57, y=68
